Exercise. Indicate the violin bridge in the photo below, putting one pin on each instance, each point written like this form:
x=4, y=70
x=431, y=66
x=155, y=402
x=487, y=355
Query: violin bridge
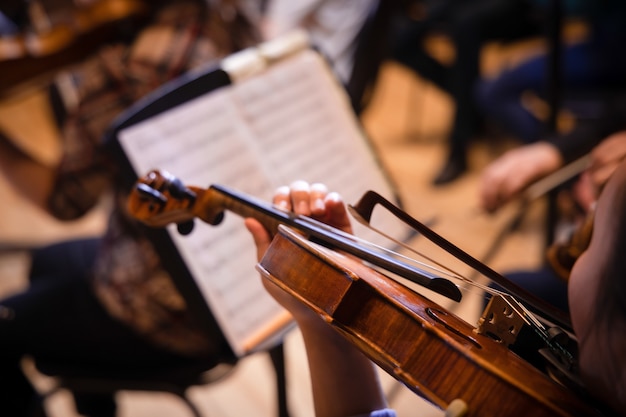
x=500, y=321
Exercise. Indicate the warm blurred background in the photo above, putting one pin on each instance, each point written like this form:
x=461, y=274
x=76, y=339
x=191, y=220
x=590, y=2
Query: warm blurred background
x=408, y=118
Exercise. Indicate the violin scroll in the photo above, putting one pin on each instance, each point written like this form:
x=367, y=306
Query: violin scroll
x=562, y=255
x=159, y=198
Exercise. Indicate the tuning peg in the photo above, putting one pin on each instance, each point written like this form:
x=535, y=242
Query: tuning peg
x=185, y=228
x=179, y=190
x=148, y=192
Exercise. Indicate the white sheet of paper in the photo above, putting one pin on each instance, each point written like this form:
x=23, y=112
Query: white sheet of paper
x=291, y=121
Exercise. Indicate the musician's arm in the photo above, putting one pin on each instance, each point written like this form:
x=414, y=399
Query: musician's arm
x=507, y=176
x=511, y=173
x=344, y=381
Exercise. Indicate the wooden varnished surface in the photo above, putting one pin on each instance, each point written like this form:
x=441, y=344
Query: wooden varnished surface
x=435, y=353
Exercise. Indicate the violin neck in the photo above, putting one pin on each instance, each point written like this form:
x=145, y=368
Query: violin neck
x=217, y=199
x=159, y=199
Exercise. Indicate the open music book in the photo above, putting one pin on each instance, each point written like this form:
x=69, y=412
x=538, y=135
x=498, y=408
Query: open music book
x=268, y=116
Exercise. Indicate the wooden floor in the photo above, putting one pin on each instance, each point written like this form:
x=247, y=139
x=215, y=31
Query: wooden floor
x=407, y=121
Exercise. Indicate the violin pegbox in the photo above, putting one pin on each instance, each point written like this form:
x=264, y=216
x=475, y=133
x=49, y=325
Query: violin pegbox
x=159, y=198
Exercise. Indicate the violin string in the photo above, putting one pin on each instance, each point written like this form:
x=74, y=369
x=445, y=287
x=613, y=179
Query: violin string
x=471, y=285
x=444, y=269
x=447, y=272
x=467, y=284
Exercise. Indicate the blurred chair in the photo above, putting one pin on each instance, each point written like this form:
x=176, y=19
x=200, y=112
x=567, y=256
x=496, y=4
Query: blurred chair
x=176, y=381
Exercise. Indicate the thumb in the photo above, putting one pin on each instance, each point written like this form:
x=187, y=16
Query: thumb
x=260, y=236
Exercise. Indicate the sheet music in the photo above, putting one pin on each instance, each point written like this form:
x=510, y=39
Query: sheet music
x=291, y=121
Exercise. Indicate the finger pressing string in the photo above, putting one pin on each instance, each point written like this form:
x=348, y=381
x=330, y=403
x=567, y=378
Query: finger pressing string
x=281, y=198
x=300, y=197
x=318, y=195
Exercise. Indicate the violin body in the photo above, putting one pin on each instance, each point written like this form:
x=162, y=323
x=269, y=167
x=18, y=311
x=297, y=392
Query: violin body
x=434, y=353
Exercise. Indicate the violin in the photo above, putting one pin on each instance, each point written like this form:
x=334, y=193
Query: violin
x=561, y=256
x=434, y=353
x=159, y=199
